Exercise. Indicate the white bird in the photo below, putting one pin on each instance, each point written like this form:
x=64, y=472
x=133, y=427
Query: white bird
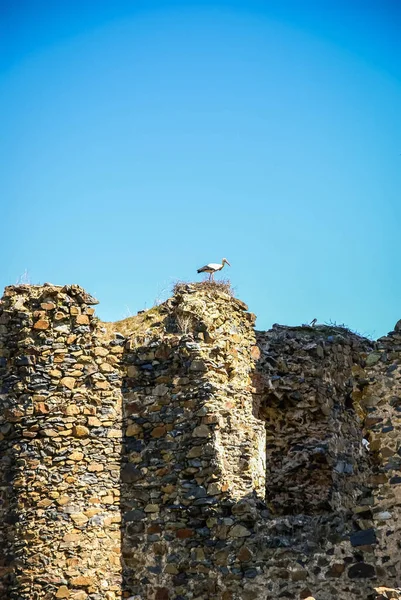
x=365, y=444
x=212, y=268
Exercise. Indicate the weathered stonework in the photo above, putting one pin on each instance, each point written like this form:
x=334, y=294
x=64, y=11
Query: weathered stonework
x=193, y=448
x=60, y=447
x=181, y=455
x=316, y=460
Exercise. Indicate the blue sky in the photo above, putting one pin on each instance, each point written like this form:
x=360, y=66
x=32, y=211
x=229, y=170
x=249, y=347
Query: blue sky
x=143, y=139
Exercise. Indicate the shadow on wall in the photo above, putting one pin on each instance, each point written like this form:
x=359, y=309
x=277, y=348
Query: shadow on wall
x=9, y=540
x=186, y=535
x=316, y=462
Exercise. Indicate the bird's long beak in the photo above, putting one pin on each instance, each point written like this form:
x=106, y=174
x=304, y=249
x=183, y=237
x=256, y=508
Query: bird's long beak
x=228, y=263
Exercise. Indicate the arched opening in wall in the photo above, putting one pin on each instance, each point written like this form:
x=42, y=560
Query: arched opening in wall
x=315, y=459
x=298, y=465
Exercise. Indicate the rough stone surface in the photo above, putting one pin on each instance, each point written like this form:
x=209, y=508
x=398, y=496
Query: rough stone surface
x=60, y=518
x=180, y=455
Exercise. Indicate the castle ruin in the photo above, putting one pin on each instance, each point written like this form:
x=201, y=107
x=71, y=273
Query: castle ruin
x=182, y=455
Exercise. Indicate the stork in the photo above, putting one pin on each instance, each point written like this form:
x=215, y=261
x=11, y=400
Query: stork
x=212, y=268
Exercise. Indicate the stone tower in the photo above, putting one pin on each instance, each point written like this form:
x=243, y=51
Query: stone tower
x=61, y=447
x=181, y=455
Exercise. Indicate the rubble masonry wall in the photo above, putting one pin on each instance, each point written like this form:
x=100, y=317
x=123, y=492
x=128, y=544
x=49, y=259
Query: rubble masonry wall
x=192, y=458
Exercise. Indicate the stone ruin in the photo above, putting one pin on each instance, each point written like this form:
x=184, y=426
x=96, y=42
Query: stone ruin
x=182, y=455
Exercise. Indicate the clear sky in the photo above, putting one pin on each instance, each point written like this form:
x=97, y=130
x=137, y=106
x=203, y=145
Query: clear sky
x=142, y=139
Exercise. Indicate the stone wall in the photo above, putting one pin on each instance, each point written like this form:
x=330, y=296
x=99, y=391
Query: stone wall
x=315, y=457
x=192, y=449
x=60, y=448
x=378, y=392
x=179, y=455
